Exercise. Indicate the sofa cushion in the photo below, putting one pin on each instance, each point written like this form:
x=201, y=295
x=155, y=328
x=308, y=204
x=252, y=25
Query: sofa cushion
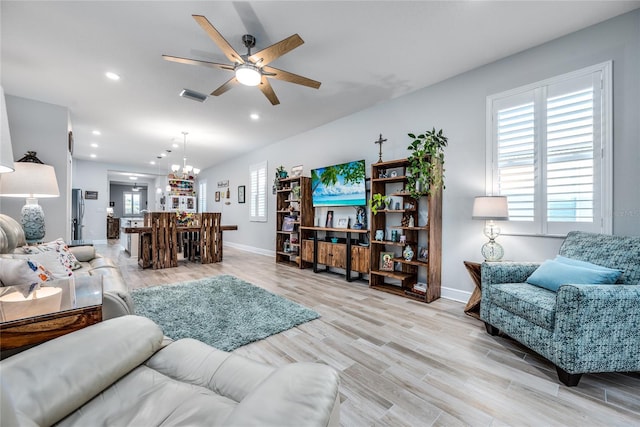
x=83, y=253
x=54, y=255
x=552, y=274
x=14, y=272
x=535, y=304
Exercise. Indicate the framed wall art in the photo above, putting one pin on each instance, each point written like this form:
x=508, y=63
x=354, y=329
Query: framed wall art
x=241, y=197
x=386, y=261
x=217, y=196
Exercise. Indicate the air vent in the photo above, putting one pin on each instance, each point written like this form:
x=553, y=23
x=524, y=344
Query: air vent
x=193, y=95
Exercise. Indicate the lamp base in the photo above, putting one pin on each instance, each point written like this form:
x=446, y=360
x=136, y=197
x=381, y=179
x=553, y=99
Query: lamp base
x=32, y=220
x=492, y=251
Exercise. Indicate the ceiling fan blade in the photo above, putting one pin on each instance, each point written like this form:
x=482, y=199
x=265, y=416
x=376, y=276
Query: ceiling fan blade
x=197, y=62
x=275, y=51
x=290, y=77
x=222, y=43
x=266, y=88
x=225, y=87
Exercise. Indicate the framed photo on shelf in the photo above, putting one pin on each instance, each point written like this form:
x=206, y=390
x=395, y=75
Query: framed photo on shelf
x=288, y=223
x=328, y=223
x=422, y=253
x=342, y=222
x=386, y=261
x=296, y=171
x=241, y=190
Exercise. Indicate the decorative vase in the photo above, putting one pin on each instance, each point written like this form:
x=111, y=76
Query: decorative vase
x=379, y=235
x=407, y=253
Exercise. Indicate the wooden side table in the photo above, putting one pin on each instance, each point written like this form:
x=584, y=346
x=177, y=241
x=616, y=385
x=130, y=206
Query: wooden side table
x=473, y=305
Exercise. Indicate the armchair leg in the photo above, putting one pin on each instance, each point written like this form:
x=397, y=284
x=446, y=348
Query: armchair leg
x=491, y=330
x=570, y=380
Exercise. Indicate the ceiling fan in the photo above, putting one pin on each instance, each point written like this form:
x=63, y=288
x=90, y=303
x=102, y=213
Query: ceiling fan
x=250, y=69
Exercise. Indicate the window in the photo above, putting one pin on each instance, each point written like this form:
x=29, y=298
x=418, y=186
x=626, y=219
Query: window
x=131, y=203
x=202, y=196
x=258, y=200
x=550, y=153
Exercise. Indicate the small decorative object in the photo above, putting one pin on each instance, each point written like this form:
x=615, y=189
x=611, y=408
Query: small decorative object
x=183, y=218
x=382, y=173
x=386, y=261
x=394, y=235
x=281, y=172
x=425, y=170
x=295, y=192
x=342, y=222
x=379, y=235
x=334, y=240
x=403, y=239
x=393, y=174
x=411, y=222
x=407, y=253
x=397, y=206
x=405, y=221
x=296, y=171
x=241, y=190
x=112, y=204
x=217, y=196
x=409, y=206
x=422, y=253
x=286, y=247
x=328, y=223
x=491, y=209
x=294, y=239
x=361, y=218
x=288, y=223
x=377, y=201
x=380, y=141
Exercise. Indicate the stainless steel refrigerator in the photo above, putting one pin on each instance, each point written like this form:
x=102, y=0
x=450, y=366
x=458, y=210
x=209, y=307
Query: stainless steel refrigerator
x=77, y=213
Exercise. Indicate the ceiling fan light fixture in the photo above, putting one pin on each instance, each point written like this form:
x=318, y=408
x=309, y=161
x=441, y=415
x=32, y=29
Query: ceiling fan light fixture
x=248, y=74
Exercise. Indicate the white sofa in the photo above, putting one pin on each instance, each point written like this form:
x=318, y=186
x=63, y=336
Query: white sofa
x=122, y=372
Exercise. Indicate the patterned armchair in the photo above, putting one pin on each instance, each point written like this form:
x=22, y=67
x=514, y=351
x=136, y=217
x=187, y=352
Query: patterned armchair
x=579, y=328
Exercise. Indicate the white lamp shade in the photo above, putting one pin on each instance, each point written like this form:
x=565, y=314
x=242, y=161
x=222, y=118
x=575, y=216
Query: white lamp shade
x=33, y=180
x=6, y=152
x=491, y=208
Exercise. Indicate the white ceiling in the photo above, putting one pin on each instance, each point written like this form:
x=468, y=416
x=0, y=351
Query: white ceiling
x=364, y=53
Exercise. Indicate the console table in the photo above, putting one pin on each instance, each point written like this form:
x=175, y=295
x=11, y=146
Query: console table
x=340, y=254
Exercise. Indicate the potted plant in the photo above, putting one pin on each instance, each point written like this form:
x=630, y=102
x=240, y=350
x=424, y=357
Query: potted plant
x=425, y=171
x=281, y=172
x=377, y=201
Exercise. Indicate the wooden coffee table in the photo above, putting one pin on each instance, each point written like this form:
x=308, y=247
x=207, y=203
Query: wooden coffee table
x=37, y=329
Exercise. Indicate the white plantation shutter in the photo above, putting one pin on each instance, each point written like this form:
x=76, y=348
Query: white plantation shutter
x=202, y=196
x=258, y=191
x=550, y=153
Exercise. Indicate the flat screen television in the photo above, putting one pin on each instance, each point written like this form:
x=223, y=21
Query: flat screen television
x=339, y=185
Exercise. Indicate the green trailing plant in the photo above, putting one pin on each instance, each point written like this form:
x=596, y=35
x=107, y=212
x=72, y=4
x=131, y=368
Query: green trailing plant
x=377, y=202
x=425, y=172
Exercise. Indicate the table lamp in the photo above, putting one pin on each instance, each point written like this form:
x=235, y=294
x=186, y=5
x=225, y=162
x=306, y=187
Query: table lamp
x=6, y=153
x=491, y=209
x=31, y=179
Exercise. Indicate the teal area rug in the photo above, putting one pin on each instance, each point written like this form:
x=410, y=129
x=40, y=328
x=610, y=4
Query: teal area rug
x=222, y=311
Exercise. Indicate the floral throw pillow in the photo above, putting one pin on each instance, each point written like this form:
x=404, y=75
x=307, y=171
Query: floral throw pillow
x=55, y=256
x=15, y=272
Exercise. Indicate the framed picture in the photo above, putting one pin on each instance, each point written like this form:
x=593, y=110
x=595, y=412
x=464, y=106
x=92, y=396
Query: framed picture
x=386, y=261
x=422, y=253
x=241, y=189
x=328, y=223
x=288, y=223
x=217, y=196
x=91, y=195
x=342, y=222
x=112, y=204
x=71, y=143
x=296, y=171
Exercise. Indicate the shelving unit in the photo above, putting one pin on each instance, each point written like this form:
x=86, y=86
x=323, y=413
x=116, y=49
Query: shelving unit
x=406, y=273
x=288, y=206
x=182, y=196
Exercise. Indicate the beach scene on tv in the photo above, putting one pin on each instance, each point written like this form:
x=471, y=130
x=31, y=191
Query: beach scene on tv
x=339, y=185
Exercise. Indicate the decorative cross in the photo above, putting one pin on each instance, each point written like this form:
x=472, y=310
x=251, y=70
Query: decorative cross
x=380, y=141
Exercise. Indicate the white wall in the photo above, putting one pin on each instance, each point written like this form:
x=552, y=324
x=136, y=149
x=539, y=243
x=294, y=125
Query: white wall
x=457, y=105
x=43, y=128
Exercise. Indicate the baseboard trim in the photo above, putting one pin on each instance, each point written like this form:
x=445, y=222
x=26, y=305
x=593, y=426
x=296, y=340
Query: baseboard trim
x=251, y=249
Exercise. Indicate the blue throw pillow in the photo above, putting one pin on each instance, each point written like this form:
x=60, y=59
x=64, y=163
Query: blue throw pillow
x=578, y=263
x=551, y=274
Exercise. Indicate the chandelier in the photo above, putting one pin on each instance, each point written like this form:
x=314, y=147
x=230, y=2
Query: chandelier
x=188, y=171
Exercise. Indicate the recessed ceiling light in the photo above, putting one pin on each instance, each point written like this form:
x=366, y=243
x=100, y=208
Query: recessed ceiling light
x=152, y=162
x=133, y=177
x=163, y=154
x=96, y=132
x=94, y=145
x=93, y=156
x=254, y=116
x=174, y=145
x=112, y=76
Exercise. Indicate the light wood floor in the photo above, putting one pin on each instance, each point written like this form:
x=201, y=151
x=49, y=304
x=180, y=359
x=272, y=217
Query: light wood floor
x=404, y=363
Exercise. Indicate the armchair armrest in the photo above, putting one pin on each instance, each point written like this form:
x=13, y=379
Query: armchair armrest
x=506, y=272
x=597, y=323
